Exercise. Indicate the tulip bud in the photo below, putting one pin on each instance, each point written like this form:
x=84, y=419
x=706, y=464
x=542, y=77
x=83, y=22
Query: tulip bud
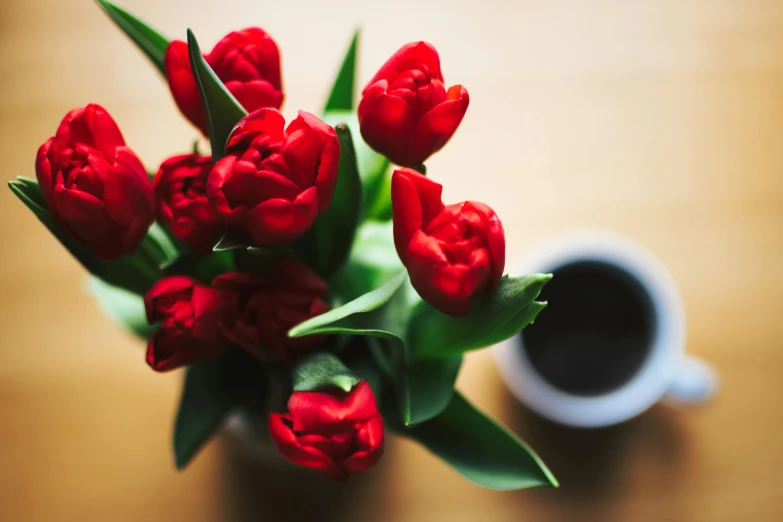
x=189, y=314
x=273, y=183
x=260, y=310
x=95, y=186
x=334, y=432
x=180, y=186
x=247, y=62
x=452, y=252
x=406, y=113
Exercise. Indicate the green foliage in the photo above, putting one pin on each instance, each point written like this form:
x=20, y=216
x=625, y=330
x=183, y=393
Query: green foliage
x=480, y=449
x=341, y=96
x=214, y=388
x=424, y=387
x=151, y=43
x=223, y=111
x=493, y=319
x=323, y=370
x=374, y=313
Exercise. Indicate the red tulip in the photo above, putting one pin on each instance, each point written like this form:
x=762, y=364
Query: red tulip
x=180, y=186
x=406, y=113
x=332, y=431
x=248, y=63
x=452, y=252
x=262, y=309
x=273, y=183
x=95, y=186
x=189, y=314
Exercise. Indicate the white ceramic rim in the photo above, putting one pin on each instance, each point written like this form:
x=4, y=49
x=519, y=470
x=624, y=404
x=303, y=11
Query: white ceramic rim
x=657, y=372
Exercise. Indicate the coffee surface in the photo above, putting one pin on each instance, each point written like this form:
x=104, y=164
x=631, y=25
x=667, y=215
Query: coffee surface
x=596, y=331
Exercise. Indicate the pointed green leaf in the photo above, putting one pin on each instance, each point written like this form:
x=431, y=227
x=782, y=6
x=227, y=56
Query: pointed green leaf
x=126, y=308
x=136, y=272
x=223, y=111
x=373, y=167
x=212, y=389
x=480, y=449
x=151, y=42
x=370, y=314
x=329, y=241
x=426, y=387
x=341, y=96
x=323, y=370
x=507, y=311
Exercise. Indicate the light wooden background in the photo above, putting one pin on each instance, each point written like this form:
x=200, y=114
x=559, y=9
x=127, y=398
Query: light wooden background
x=662, y=120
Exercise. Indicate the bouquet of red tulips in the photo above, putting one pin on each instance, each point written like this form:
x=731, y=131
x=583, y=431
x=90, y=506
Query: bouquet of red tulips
x=296, y=279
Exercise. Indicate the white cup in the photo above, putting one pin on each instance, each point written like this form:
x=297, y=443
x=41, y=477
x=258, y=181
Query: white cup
x=665, y=371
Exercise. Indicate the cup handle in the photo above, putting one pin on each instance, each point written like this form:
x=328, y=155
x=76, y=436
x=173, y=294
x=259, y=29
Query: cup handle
x=694, y=383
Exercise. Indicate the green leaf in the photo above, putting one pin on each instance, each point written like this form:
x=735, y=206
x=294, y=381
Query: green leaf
x=373, y=167
x=165, y=249
x=223, y=111
x=502, y=315
x=372, y=262
x=480, y=449
x=341, y=96
x=212, y=389
x=126, y=308
x=136, y=272
x=426, y=387
x=151, y=42
x=323, y=370
x=373, y=313
x=328, y=243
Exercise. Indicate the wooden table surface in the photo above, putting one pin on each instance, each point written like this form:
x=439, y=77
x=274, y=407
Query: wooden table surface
x=662, y=120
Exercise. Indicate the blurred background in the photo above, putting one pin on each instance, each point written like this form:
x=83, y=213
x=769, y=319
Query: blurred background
x=661, y=120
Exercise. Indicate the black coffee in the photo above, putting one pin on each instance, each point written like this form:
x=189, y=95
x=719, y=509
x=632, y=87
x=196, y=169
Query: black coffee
x=596, y=331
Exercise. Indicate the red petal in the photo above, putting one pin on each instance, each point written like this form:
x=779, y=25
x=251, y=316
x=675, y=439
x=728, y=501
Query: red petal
x=165, y=287
x=265, y=121
x=277, y=221
x=324, y=412
x=436, y=127
x=233, y=216
x=43, y=172
x=286, y=442
x=255, y=94
x=414, y=55
x=496, y=241
x=302, y=153
x=182, y=83
x=415, y=201
x=386, y=123
x=371, y=440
